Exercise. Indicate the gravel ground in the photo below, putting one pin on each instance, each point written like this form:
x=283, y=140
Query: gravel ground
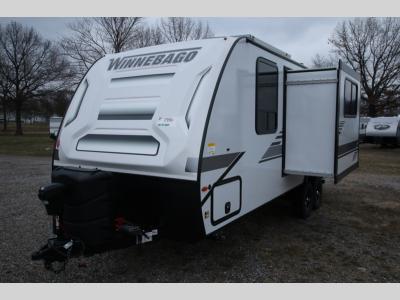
x=354, y=237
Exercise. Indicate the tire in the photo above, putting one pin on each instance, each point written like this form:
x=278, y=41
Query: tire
x=317, y=201
x=304, y=202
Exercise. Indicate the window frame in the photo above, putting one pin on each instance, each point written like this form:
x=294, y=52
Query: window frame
x=274, y=65
x=352, y=114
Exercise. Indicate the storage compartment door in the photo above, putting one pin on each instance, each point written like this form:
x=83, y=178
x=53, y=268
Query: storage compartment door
x=226, y=199
x=310, y=119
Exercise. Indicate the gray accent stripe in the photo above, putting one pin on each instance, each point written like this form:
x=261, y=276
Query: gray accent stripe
x=227, y=170
x=125, y=117
x=278, y=137
x=272, y=151
x=347, y=147
x=218, y=161
x=192, y=164
x=269, y=158
x=348, y=152
x=301, y=82
x=275, y=143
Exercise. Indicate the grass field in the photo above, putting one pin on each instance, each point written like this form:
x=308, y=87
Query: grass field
x=35, y=141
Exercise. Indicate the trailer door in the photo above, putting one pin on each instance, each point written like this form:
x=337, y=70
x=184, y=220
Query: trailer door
x=347, y=122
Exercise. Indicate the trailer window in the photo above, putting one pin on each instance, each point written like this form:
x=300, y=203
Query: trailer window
x=266, y=96
x=350, y=99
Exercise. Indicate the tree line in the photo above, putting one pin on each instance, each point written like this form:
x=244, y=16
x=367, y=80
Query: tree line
x=39, y=75
x=370, y=46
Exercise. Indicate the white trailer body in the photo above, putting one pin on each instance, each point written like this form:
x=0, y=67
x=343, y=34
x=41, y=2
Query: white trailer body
x=383, y=130
x=197, y=134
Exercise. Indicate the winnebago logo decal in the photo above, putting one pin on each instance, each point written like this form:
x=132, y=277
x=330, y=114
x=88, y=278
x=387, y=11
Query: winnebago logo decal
x=153, y=59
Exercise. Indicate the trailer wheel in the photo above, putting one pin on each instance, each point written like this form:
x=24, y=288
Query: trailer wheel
x=305, y=201
x=317, y=193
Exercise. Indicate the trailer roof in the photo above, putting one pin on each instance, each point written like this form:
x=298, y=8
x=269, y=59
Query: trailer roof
x=268, y=47
x=249, y=38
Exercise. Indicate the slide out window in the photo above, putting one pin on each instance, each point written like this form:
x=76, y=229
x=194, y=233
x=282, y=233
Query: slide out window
x=350, y=99
x=266, y=96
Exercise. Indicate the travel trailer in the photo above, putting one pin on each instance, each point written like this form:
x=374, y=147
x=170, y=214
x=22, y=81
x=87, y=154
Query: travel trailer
x=384, y=131
x=182, y=139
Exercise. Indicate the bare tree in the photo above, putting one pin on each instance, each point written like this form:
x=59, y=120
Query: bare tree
x=31, y=66
x=119, y=32
x=372, y=47
x=177, y=29
x=5, y=88
x=321, y=61
x=92, y=38
x=4, y=92
x=148, y=36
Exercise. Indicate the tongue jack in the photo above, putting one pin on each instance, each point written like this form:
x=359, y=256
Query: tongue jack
x=58, y=250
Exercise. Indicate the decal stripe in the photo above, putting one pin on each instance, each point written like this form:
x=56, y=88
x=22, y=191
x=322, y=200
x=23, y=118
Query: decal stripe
x=240, y=154
x=347, y=147
x=348, y=152
x=269, y=158
x=272, y=151
x=218, y=161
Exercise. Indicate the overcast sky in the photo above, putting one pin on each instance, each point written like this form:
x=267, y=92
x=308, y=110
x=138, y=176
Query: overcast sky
x=300, y=37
